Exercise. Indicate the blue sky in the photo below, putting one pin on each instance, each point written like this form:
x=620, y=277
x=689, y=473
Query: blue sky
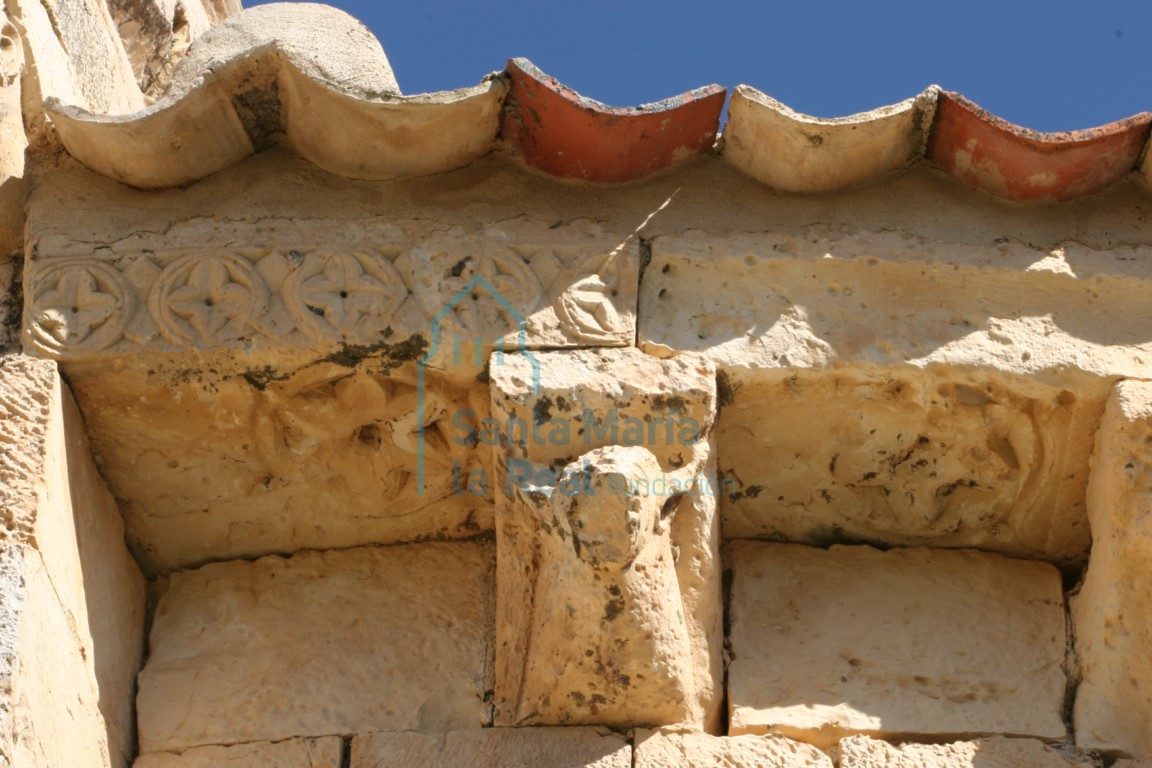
x=1046, y=64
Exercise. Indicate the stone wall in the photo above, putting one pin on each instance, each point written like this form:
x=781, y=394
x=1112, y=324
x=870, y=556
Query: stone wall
x=388, y=449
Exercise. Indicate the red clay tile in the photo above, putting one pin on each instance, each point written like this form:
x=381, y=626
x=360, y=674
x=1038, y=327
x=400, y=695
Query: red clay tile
x=1019, y=164
x=564, y=134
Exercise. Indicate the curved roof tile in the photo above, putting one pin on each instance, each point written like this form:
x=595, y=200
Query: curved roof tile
x=564, y=134
x=1015, y=163
x=255, y=76
x=265, y=75
x=800, y=153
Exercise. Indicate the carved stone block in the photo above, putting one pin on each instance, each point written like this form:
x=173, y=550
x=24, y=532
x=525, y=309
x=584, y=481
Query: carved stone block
x=887, y=388
x=907, y=457
x=520, y=284
x=216, y=467
x=608, y=597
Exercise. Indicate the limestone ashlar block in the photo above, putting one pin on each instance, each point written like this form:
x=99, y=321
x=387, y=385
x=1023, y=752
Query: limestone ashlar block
x=863, y=752
x=51, y=699
x=80, y=534
x=71, y=598
x=682, y=749
x=815, y=297
x=549, y=408
x=1113, y=627
x=326, y=752
x=908, y=457
x=494, y=748
x=395, y=638
x=1047, y=328
x=216, y=468
x=608, y=420
x=909, y=642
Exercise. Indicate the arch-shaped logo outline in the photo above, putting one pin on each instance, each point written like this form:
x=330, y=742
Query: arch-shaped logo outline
x=437, y=320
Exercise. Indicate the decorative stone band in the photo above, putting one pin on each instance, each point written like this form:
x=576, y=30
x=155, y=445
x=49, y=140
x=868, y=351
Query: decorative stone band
x=564, y=289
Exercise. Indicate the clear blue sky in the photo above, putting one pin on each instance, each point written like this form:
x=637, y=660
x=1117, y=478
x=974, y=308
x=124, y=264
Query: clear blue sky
x=1046, y=64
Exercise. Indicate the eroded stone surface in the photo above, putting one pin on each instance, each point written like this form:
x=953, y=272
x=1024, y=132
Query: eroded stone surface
x=380, y=282
x=863, y=752
x=906, y=457
x=156, y=34
x=297, y=753
x=816, y=297
x=215, y=467
x=71, y=598
x=331, y=642
x=664, y=749
x=909, y=641
x=606, y=638
x=1113, y=627
x=891, y=305
x=495, y=748
x=641, y=588
x=52, y=697
x=80, y=536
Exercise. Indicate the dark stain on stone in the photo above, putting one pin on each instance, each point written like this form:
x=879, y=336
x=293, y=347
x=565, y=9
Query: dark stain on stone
x=390, y=355
x=12, y=305
x=725, y=389
x=459, y=267
x=369, y=434
x=262, y=377
x=542, y=411
x=615, y=605
x=259, y=110
x=670, y=404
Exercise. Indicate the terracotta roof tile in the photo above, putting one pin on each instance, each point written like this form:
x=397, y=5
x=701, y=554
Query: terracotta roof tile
x=1018, y=164
x=345, y=114
x=564, y=134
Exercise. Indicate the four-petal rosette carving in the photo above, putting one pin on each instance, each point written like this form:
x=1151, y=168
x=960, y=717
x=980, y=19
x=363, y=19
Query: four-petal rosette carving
x=208, y=300
x=78, y=308
x=518, y=283
x=487, y=292
x=348, y=296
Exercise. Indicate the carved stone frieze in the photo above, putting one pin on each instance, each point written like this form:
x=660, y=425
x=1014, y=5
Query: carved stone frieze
x=208, y=300
x=520, y=284
x=344, y=296
x=78, y=308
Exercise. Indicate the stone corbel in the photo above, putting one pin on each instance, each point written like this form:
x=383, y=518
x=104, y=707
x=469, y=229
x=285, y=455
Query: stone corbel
x=608, y=580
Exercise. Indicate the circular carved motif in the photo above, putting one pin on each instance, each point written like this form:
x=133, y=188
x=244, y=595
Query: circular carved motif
x=585, y=304
x=345, y=296
x=492, y=292
x=79, y=308
x=207, y=300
